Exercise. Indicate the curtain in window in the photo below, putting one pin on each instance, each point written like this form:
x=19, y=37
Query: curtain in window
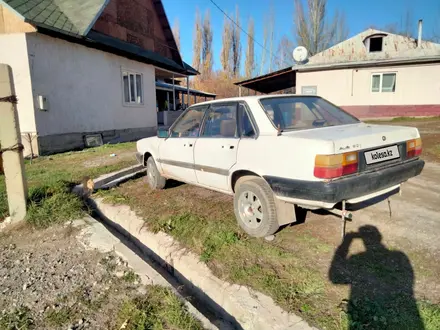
x=126, y=88
x=375, y=83
x=139, y=89
x=388, y=82
x=132, y=89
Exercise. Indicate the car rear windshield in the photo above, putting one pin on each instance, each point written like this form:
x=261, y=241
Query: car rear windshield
x=304, y=112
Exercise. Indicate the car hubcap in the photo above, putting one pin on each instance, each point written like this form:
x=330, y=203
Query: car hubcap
x=150, y=173
x=251, y=211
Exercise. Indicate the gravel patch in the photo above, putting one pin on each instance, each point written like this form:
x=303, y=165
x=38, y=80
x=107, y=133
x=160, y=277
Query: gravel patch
x=49, y=281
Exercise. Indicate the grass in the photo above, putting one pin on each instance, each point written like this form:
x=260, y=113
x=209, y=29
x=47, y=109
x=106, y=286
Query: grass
x=60, y=317
x=130, y=277
x=400, y=314
x=158, y=309
x=398, y=119
x=293, y=270
x=51, y=178
x=433, y=150
x=19, y=318
x=430, y=314
x=404, y=119
x=243, y=260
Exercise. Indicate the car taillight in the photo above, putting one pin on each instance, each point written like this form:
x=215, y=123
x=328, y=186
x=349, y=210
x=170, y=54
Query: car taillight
x=349, y=163
x=413, y=148
x=334, y=166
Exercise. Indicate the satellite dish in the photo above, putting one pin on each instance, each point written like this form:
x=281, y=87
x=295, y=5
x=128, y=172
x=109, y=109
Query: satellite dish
x=300, y=54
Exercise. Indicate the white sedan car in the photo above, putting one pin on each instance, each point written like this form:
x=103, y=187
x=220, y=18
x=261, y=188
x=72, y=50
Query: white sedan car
x=277, y=152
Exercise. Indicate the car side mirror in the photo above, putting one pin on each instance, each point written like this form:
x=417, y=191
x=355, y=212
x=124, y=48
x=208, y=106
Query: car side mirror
x=163, y=132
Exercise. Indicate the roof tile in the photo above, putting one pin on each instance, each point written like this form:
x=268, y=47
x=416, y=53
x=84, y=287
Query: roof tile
x=79, y=15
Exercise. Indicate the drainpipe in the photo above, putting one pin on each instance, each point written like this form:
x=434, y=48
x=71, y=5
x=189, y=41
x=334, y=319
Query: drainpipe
x=419, y=39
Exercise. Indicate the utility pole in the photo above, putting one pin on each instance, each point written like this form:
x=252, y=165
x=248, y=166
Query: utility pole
x=11, y=149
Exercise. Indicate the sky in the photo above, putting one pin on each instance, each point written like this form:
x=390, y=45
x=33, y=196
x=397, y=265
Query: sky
x=360, y=15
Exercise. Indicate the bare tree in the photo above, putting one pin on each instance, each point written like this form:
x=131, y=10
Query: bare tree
x=225, y=55
x=207, y=45
x=197, y=43
x=313, y=29
x=263, y=53
x=271, y=25
x=284, y=52
x=404, y=28
x=436, y=29
x=268, y=42
x=340, y=27
x=407, y=24
x=236, y=45
x=250, y=52
x=176, y=32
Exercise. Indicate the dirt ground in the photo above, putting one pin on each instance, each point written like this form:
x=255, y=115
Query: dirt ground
x=48, y=280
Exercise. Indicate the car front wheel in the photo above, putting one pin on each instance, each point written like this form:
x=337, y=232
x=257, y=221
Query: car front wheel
x=155, y=180
x=254, y=207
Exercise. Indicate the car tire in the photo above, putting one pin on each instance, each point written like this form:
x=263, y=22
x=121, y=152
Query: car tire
x=155, y=180
x=254, y=207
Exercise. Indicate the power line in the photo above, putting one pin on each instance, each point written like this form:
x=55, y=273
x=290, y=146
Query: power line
x=236, y=24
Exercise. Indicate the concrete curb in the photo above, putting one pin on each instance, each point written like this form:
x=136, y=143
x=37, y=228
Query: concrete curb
x=106, y=180
x=237, y=306
x=246, y=309
x=94, y=235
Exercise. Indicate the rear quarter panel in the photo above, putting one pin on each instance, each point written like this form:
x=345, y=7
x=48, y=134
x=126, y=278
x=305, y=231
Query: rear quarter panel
x=280, y=156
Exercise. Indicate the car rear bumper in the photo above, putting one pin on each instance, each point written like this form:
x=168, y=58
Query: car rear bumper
x=346, y=188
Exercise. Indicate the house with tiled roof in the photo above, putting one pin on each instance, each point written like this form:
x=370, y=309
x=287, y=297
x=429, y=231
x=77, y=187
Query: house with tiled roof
x=86, y=71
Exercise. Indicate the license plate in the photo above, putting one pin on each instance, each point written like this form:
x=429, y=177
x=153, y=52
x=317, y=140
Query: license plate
x=381, y=155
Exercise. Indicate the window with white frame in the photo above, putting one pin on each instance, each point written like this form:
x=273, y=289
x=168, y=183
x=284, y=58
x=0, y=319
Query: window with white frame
x=132, y=84
x=383, y=82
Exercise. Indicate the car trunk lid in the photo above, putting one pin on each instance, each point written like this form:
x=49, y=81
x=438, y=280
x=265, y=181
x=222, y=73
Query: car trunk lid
x=358, y=136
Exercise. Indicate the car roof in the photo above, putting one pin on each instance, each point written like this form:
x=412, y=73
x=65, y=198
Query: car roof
x=253, y=97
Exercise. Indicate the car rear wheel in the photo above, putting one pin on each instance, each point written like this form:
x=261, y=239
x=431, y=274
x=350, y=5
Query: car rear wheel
x=254, y=207
x=155, y=180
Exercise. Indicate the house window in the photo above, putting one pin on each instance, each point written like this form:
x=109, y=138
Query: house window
x=132, y=84
x=375, y=44
x=383, y=82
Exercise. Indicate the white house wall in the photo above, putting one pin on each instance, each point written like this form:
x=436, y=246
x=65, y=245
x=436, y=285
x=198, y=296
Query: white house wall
x=417, y=90
x=84, y=90
x=13, y=51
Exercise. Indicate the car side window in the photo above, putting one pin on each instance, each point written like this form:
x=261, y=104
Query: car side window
x=190, y=123
x=221, y=121
x=246, y=127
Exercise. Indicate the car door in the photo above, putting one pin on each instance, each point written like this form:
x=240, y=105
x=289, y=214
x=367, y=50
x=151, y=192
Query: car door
x=216, y=148
x=177, y=151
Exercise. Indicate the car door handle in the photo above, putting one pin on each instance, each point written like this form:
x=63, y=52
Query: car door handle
x=189, y=145
x=230, y=147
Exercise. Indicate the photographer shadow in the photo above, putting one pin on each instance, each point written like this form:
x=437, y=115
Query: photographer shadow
x=381, y=280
